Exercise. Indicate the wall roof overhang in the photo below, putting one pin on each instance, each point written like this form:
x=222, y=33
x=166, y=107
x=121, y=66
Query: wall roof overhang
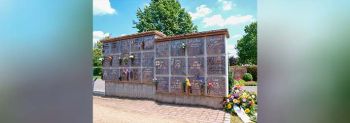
x=162, y=37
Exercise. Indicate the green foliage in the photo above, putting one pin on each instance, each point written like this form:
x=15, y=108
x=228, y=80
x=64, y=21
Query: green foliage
x=230, y=80
x=239, y=82
x=253, y=70
x=250, y=83
x=97, y=55
x=248, y=77
x=166, y=16
x=97, y=71
x=247, y=45
x=232, y=61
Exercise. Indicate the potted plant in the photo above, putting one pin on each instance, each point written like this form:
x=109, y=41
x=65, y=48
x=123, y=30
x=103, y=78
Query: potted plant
x=183, y=45
x=132, y=58
x=120, y=60
x=155, y=81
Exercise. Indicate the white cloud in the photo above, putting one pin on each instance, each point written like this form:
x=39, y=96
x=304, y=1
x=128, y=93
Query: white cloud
x=231, y=50
x=237, y=36
x=218, y=20
x=226, y=5
x=98, y=35
x=201, y=11
x=102, y=7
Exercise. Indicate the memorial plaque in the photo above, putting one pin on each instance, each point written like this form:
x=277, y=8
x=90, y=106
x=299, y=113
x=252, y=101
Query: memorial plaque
x=196, y=66
x=115, y=61
x=148, y=59
x=178, y=66
x=162, y=66
x=148, y=43
x=124, y=74
x=124, y=60
x=216, y=65
x=197, y=85
x=216, y=45
x=176, y=48
x=125, y=46
x=195, y=47
x=162, y=49
x=147, y=75
x=135, y=75
x=106, y=48
x=114, y=47
x=176, y=85
x=163, y=84
x=137, y=60
x=118, y=47
x=216, y=86
x=106, y=74
x=114, y=74
x=136, y=44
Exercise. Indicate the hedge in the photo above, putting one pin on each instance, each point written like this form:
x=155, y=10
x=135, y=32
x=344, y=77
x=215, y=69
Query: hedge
x=253, y=70
x=97, y=71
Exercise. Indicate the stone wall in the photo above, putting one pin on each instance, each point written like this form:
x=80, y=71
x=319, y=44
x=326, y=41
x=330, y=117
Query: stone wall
x=203, y=61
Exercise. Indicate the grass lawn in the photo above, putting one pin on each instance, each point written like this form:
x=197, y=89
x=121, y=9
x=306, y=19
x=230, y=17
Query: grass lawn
x=96, y=77
x=235, y=118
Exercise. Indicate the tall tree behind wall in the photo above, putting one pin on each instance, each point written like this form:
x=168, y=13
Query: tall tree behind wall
x=247, y=45
x=166, y=16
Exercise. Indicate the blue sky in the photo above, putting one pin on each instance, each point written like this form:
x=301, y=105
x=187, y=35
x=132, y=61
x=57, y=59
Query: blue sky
x=114, y=17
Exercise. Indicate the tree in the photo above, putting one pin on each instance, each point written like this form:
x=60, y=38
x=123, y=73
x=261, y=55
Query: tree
x=166, y=16
x=96, y=59
x=247, y=45
x=232, y=61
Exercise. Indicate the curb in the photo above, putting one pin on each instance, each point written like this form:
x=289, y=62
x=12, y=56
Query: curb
x=227, y=118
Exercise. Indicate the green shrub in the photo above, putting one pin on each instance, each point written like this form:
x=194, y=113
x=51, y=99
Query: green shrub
x=239, y=82
x=97, y=71
x=248, y=77
x=253, y=70
x=251, y=83
x=230, y=80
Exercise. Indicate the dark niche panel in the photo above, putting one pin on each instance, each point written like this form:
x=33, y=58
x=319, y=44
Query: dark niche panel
x=148, y=59
x=114, y=74
x=136, y=62
x=148, y=43
x=136, y=44
x=115, y=61
x=125, y=46
x=197, y=85
x=216, y=86
x=163, y=84
x=135, y=75
x=215, y=45
x=106, y=48
x=162, y=66
x=216, y=65
x=124, y=74
x=195, y=47
x=115, y=47
x=106, y=75
x=176, y=48
x=162, y=49
x=178, y=66
x=147, y=75
x=196, y=66
x=176, y=85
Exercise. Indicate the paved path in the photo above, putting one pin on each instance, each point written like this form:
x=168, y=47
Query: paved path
x=116, y=110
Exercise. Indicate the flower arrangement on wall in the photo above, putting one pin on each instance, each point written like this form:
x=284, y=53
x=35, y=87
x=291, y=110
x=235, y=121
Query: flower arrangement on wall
x=243, y=99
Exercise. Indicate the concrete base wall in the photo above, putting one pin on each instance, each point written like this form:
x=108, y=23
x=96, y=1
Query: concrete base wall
x=146, y=91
